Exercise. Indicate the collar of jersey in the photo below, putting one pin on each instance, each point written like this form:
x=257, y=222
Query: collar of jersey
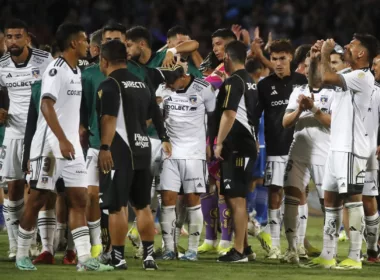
x=186, y=88
x=25, y=63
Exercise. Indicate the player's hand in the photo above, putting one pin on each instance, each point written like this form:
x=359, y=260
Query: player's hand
x=67, y=149
x=28, y=167
x=256, y=47
x=183, y=64
x=105, y=161
x=306, y=103
x=167, y=148
x=269, y=43
x=378, y=152
x=169, y=60
x=257, y=147
x=328, y=46
x=236, y=29
x=246, y=37
x=83, y=136
x=3, y=115
x=218, y=151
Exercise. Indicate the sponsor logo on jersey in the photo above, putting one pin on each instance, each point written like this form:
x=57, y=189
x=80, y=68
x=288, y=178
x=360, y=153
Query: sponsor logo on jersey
x=83, y=62
x=192, y=179
x=141, y=141
x=35, y=72
x=53, y=72
x=131, y=84
x=279, y=102
x=324, y=99
x=274, y=92
x=193, y=99
x=81, y=172
x=197, y=87
x=180, y=108
x=74, y=92
x=9, y=75
x=18, y=84
x=251, y=86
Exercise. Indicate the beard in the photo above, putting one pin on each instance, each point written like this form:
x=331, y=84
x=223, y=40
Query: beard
x=16, y=51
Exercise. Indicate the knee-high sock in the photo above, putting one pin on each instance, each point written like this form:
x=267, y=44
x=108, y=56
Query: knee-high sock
x=46, y=225
x=195, y=226
x=209, y=203
x=167, y=220
x=291, y=220
x=331, y=231
x=226, y=222
x=357, y=226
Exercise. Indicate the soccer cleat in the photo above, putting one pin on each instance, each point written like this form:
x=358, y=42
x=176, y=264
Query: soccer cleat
x=348, y=264
x=122, y=265
x=302, y=253
x=25, y=264
x=265, y=241
x=274, y=254
x=249, y=253
x=149, y=263
x=12, y=254
x=319, y=262
x=34, y=251
x=105, y=258
x=168, y=255
x=313, y=252
x=233, y=256
x=222, y=251
x=206, y=248
x=93, y=265
x=69, y=258
x=291, y=256
x=134, y=236
x=96, y=250
x=189, y=256
x=44, y=258
x=343, y=236
x=373, y=256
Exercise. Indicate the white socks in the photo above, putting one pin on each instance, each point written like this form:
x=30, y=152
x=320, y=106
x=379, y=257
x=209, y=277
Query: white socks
x=15, y=210
x=291, y=220
x=331, y=231
x=23, y=243
x=46, y=226
x=12, y=238
x=167, y=220
x=81, y=237
x=372, y=226
x=274, y=218
x=59, y=236
x=357, y=225
x=195, y=226
x=95, y=232
x=303, y=215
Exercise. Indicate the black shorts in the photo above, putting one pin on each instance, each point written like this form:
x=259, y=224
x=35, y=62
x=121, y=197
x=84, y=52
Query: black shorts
x=236, y=175
x=121, y=186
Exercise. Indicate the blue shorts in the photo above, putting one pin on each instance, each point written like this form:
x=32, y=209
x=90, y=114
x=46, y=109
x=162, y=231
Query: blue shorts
x=259, y=168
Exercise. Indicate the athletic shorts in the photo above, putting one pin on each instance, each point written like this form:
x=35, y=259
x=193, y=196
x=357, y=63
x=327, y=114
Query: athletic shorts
x=275, y=170
x=92, y=167
x=121, y=186
x=259, y=168
x=236, y=176
x=298, y=175
x=11, y=159
x=344, y=173
x=156, y=160
x=45, y=171
x=371, y=187
x=189, y=173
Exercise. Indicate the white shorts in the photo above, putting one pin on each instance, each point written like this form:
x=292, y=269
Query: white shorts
x=11, y=159
x=92, y=167
x=371, y=187
x=275, y=170
x=298, y=174
x=189, y=173
x=45, y=171
x=344, y=173
x=156, y=160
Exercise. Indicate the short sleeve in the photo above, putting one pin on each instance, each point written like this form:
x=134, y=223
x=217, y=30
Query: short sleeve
x=292, y=105
x=209, y=99
x=51, y=83
x=109, y=98
x=354, y=81
x=234, y=92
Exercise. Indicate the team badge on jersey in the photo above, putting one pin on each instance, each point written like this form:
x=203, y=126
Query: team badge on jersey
x=44, y=180
x=35, y=72
x=193, y=99
x=324, y=99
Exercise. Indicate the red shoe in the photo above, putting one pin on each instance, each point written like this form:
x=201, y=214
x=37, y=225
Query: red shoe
x=373, y=260
x=44, y=258
x=70, y=258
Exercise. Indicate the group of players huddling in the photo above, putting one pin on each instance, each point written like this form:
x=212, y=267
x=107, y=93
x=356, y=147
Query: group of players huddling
x=172, y=132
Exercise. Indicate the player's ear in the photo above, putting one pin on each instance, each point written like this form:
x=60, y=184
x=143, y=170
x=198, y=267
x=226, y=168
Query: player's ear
x=360, y=53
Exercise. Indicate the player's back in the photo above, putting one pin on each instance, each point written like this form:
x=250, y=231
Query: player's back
x=18, y=78
x=372, y=121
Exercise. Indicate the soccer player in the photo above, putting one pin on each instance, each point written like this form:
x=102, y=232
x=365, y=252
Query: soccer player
x=53, y=155
x=274, y=92
x=337, y=62
x=18, y=70
x=309, y=111
x=350, y=147
x=236, y=145
x=95, y=42
x=300, y=57
x=125, y=105
x=185, y=105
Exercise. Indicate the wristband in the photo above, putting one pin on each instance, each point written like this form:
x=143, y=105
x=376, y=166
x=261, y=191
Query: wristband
x=172, y=50
x=165, y=139
x=314, y=109
x=105, y=147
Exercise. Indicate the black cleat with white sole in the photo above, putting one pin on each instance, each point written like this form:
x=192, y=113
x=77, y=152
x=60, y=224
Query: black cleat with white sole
x=233, y=256
x=149, y=263
x=122, y=265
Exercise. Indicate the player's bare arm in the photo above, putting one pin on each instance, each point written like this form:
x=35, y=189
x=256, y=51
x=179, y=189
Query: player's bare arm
x=323, y=118
x=291, y=118
x=108, y=128
x=183, y=48
x=47, y=109
x=226, y=123
x=329, y=77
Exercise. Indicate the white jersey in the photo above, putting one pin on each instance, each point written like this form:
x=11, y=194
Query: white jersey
x=372, y=125
x=311, y=141
x=18, y=78
x=62, y=84
x=184, y=113
x=350, y=106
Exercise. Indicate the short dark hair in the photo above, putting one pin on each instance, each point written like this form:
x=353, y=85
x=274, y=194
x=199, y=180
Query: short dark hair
x=253, y=64
x=114, y=51
x=54, y=49
x=114, y=26
x=65, y=33
x=172, y=32
x=172, y=74
x=33, y=40
x=301, y=53
x=139, y=33
x=16, y=23
x=237, y=51
x=224, y=33
x=370, y=43
x=96, y=37
x=281, y=45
